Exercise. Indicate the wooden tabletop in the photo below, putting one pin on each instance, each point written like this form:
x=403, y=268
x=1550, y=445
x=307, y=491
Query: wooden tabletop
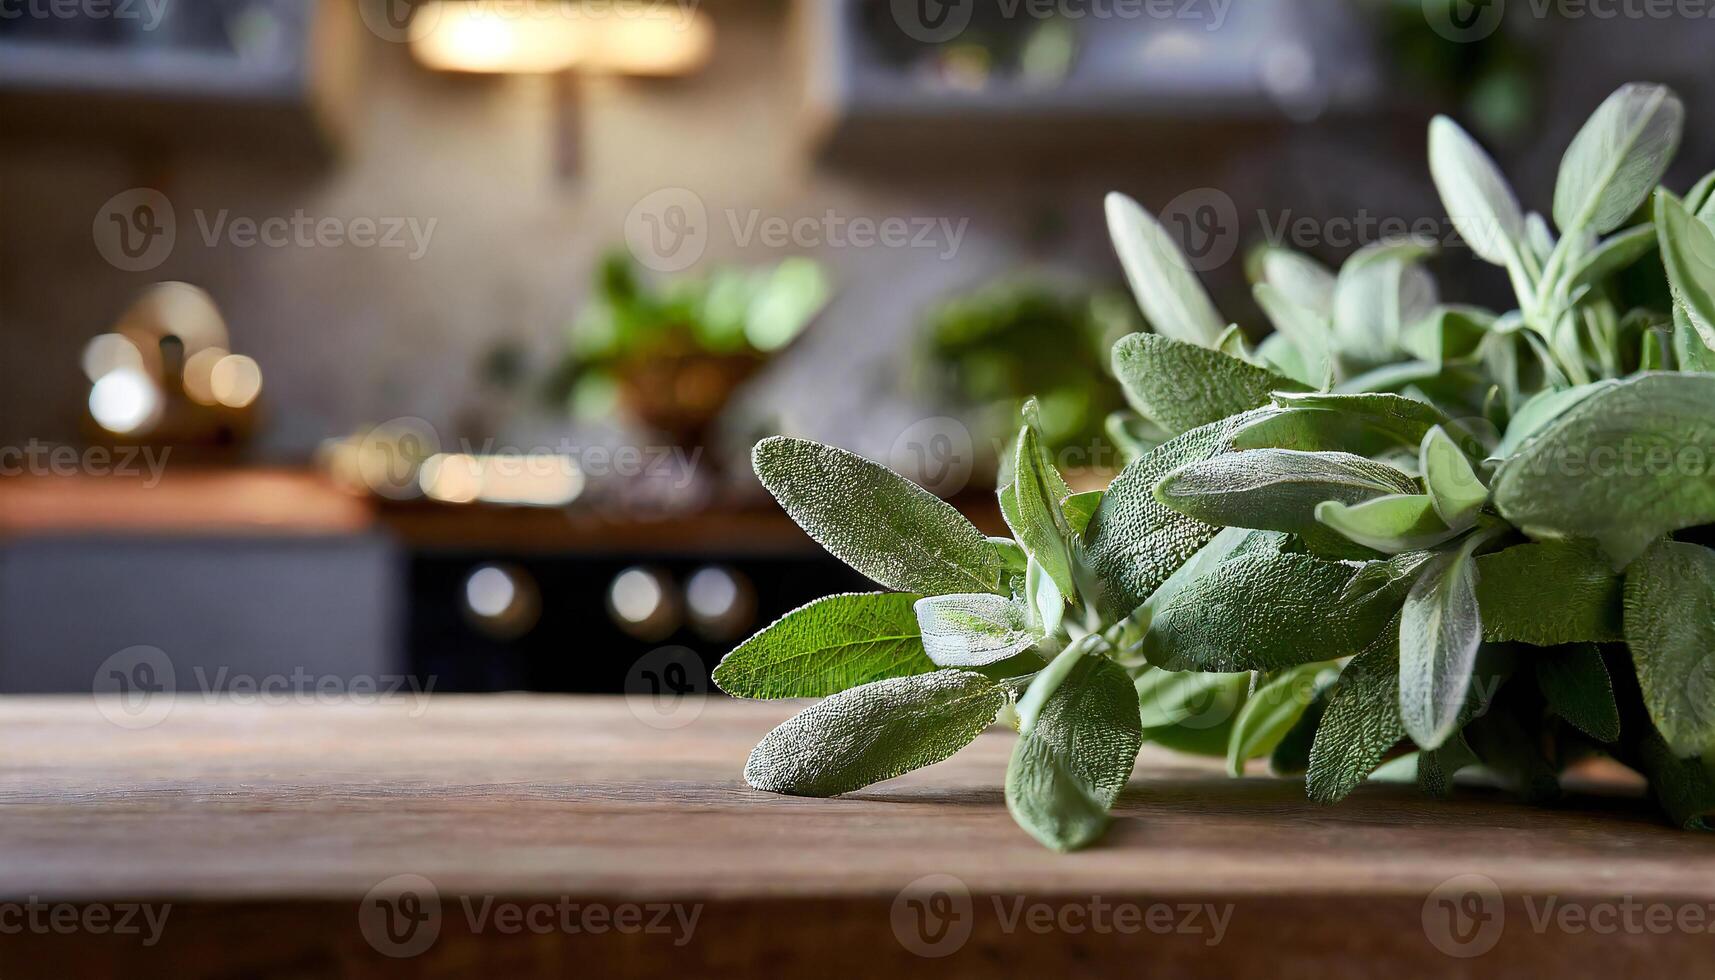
x=268, y=829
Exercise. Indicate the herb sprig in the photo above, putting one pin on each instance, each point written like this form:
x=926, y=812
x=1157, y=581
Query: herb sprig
x=1396, y=528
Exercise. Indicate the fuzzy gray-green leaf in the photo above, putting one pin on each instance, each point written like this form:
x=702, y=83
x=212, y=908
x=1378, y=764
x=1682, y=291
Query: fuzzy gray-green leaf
x=1361, y=722
x=1549, y=593
x=1172, y=299
x=1276, y=489
x=1078, y=741
x=1182, y=386
x=973, y=629
x=874, y=732
x=1264, y=611
x=1617, y=158
x=1688, y=255
x=1575, y=682
x=1670, y=627
x=875, y=520
x=1440, y=631
x=827, y=646
x=1624, y=466
x=1391, y=524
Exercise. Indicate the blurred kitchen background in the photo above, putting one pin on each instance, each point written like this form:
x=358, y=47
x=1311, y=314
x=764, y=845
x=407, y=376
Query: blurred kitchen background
x=367, y=338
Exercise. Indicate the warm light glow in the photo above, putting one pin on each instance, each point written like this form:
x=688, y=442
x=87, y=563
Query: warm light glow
x=124, y=401
x=547, y=36
x=533, y=479
x=636, y=596
x=199, y=375
x=659, y=42
x=236, y=380
x=519, y=38
x=107, y=353
x=490, y=591
x=451, y=478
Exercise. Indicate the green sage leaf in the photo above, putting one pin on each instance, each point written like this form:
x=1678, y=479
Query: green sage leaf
x=1670, y=627
x=1626, y=465
x=1688, y=254
x=1172, y=299
x=1440, y=631
x=1182, y=386
x=1361, y=723
x=973, y=630
x=1392, y=524
x=1548, y=594
x=1269, y=713
x=1617, y=158
x=828, y=646
x=1079, y=736
x=1454, y=489
x=1276, y=489
x=878, y=731
x=1477, y=198
x=875, y=520
x=1575, y=682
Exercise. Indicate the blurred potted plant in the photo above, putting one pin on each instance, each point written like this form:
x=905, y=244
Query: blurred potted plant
x=1002, y=343
x=671, y=355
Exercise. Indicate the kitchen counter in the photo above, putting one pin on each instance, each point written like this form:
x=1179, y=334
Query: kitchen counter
x=404, y=835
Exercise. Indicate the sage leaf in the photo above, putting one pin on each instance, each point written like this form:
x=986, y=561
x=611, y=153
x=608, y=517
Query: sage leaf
x=1263, y=611
x=828, y=646
x=1478, y=199
x=1548, y=594
x=1436, y=768
x=1617, y=158
x=1670, y=627
x=1454, y=489
x=1624, y=466
x=1405, y=420
x=1361, y=723
x=1698, y=198
x=1172, y=299
x=1281, y=355
x=1276, y=489
x=1688, y=346
x=1685, y=788
x=1450, y=332
x=1079, y=508
x=1619, y=252
x=1392, y=524
x=1269, y=713
x=1374, y=301
x=876, y=521
x=1541, y=409
x=1047, y=604
x=878, y=731
x=1300, y=280
x=1008, y=555
x=1310, y=334
x=1182, y=386
x=1079, y=736
x=1575, y=682
x=1440, y=631
x=1034, y=514
x=1134, y=542
x=973, y=630
x=1688, y=254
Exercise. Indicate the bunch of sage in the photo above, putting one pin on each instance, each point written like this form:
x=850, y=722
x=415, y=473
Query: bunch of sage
x=1398, y=533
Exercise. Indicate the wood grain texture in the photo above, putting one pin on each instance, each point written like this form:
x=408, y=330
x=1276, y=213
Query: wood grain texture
x=265, y=827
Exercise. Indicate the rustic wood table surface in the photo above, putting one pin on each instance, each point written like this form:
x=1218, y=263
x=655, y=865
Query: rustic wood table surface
x=534, y=835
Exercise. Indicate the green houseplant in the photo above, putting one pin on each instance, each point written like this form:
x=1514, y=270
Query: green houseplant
x=1448, y=535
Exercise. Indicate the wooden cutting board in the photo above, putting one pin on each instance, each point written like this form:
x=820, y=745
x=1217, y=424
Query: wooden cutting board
x=536, y=835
